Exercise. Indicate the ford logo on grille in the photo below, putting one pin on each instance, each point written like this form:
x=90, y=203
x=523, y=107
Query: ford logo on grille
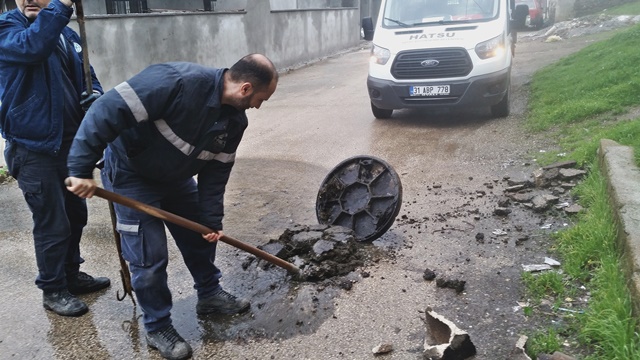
x=429, y=63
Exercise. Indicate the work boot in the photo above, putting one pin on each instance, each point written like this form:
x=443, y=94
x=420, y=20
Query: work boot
x=84, y=283
x=221, y=302
x=170, y=344
x=63, y=303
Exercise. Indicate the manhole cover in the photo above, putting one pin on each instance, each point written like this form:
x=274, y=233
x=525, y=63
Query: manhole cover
x=362, y=193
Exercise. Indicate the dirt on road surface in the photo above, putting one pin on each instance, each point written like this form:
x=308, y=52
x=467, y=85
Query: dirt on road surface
x=457, y=246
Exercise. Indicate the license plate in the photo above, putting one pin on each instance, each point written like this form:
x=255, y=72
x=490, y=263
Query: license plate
x=434, y=90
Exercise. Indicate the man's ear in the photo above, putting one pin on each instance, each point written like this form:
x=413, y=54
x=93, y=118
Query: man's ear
x=246, y=89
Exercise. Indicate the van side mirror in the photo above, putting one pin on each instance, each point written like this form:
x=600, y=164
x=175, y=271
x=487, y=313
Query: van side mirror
x=367, y=28
x=512, y=4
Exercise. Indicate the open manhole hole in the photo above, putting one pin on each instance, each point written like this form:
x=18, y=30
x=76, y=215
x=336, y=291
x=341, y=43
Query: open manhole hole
x=362, y=193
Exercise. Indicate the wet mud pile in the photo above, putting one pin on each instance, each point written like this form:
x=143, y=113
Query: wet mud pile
x=321, y=252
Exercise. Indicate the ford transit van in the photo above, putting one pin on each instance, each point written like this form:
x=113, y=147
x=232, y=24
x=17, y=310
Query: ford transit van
x=440, y=53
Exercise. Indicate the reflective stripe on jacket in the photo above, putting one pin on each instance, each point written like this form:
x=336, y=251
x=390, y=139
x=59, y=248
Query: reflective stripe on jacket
x=166, y=124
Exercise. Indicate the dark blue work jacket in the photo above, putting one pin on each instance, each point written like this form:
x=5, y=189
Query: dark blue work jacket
x=31, y=86
x=166, y=124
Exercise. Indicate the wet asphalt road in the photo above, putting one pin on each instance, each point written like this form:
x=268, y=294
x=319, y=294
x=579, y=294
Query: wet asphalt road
x=318, y=117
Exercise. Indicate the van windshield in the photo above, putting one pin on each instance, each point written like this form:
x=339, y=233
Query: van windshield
x=407, y=13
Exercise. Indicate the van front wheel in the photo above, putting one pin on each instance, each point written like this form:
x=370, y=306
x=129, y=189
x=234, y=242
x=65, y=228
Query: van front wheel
x=501, y=109
x=381, y=113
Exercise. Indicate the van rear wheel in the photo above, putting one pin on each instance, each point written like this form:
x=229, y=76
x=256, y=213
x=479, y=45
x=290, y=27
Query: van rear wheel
x=381, y=113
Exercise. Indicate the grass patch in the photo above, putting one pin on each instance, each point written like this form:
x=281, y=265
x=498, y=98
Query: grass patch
x=603, y=78
x=579, y=101
x=544, y=342
x=626, y=9
x=543, y=285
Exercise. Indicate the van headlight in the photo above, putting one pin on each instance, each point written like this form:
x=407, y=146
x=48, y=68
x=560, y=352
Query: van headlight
x=491, y=48
x=379, y=55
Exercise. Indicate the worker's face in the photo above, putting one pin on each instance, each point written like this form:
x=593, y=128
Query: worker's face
x=31, y=8
x=250, y=98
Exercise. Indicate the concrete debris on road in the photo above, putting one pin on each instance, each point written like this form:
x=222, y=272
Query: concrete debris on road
x=519, y=352
x=382, y=349
x=455, y=284
x=552, y=262
x=444, y=338
x=585, y=25
x=555, y=356
x=536, y=267
x=543, y=193
x=320, y=251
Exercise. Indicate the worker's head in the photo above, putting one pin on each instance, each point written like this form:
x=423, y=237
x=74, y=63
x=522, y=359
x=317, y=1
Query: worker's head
x=31, y=8
x=249, y=82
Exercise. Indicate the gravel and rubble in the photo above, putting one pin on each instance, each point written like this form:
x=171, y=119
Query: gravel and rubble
x=582, y=26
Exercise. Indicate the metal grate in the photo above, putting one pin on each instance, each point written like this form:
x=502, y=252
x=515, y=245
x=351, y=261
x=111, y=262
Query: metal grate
x=126, y=6
x=452, y=62
x=209, y=5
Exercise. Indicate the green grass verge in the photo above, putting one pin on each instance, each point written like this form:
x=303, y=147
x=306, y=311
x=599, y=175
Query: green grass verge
x=580, y=100
x=602, y=79
x=626, y=9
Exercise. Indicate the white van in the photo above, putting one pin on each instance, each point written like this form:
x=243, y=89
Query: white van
x=440, y=53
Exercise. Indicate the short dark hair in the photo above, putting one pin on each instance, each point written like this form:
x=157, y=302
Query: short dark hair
x=255, y=69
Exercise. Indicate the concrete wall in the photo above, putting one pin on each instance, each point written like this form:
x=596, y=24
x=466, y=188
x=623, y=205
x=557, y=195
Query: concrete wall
x=565, y=10
x=311, y=4
x=121, y=46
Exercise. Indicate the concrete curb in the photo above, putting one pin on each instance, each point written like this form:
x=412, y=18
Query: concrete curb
x=618, y=166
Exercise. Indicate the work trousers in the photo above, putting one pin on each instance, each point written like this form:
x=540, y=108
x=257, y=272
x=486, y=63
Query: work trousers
x=58, y=215
x=144, y=241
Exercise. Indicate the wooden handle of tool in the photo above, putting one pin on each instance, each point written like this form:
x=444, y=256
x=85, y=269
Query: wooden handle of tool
x=191, y=225
x=86, y=67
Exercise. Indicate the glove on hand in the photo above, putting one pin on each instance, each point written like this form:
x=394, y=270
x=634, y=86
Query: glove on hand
x=87, y=99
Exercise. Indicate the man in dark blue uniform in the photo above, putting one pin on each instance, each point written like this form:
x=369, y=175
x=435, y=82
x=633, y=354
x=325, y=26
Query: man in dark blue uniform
x=42, y=102
x=160, y=128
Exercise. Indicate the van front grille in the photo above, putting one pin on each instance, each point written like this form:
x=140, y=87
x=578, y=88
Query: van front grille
x=432, y=64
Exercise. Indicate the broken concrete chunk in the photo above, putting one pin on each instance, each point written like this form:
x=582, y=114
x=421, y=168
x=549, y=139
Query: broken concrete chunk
x=519, y=352
x=499, y=232
x=514, y=188
x=543, y=178
x=558, y=190
x=540, y=203
x=382, y=349
x=568, y=174
x=552, y=262
x=523, y=183
x=323, y=246
x=339, y=233
x=457, y=285
x=573, y=209
x=561, y=164
x=429, y=274
x=521, y=197
x=556, y=356
x=306, y=238
x=504, y=202
x=536, y=267
x=444, y=340
x=273, y=248
x=501, y=211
